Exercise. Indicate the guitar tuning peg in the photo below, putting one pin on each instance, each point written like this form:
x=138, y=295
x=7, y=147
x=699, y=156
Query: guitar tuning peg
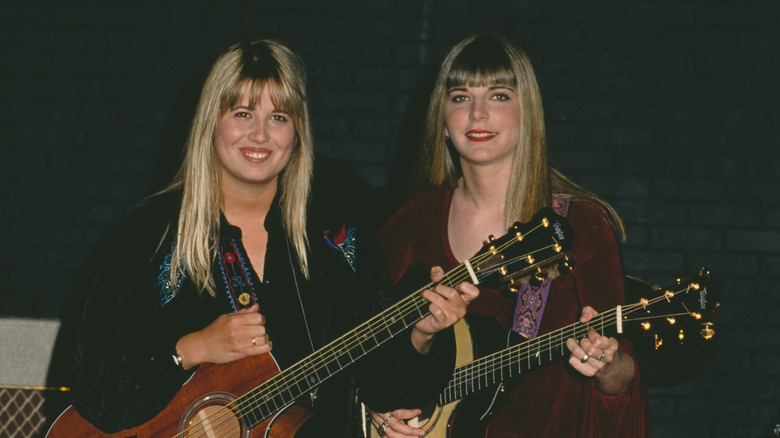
x=704, y=272
x=658, y=342
x=491, y=238
x=514, y=290
x=566, y=263
x=540, y=275
x=707, y=332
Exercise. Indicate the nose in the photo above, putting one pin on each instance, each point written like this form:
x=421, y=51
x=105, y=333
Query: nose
x=478, y=110
x=258, y=132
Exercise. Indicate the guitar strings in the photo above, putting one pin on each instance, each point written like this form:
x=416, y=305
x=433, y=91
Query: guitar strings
x=516, y=355
x=465, y=377
x=407, y=307
x=226, y=414
x=414, y=307
x=451, y=278
x=226, y=411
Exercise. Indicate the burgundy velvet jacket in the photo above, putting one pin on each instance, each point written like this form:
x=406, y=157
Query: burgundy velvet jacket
x=554, y=401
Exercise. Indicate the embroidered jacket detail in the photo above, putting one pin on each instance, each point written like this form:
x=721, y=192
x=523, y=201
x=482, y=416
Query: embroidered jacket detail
x=164, y=287
x=236, y=275
x=344, y=241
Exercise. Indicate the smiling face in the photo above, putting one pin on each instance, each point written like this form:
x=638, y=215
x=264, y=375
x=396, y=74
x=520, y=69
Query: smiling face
x=254, y=144
x=483, y=123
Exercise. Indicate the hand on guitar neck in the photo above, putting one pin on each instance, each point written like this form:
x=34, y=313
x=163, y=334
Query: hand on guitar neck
x=448, y=305
x=598, y=356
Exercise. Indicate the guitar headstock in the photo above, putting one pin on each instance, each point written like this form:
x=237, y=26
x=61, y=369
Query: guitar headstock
x=675, y=337
x=677, y=310
x=525, y=249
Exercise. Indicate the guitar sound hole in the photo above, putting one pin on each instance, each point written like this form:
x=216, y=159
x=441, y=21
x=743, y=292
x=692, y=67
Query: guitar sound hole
x=213, y=421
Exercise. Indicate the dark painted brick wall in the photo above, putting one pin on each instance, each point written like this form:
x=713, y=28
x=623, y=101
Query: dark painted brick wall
x=669, y=109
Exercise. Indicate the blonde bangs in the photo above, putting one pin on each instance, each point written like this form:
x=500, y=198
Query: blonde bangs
x=481, y=65
x=283, y=97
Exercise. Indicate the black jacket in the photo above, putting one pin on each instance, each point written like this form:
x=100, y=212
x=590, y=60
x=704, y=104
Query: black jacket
x=133, y=318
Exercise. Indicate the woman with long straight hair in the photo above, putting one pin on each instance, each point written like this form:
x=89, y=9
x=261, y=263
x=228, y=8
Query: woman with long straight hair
x=238, y=254
x=483, y=165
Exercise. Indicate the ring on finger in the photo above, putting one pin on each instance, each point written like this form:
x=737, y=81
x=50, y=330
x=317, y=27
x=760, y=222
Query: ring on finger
x=254, y=341
x=585, y=358
x=383, y=428
x=601, y=358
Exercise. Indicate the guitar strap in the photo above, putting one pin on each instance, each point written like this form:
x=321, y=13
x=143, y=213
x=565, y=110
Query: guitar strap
x=531, y=300
x=313, y=392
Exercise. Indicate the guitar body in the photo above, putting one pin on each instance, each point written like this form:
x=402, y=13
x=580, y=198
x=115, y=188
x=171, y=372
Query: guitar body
x=463, y=418
x=435, y=420
x=203, y=407
x=472, y=418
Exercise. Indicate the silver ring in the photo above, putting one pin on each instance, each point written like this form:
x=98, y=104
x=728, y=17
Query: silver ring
x=383, y=428
x=601, y=358
x=585, y=358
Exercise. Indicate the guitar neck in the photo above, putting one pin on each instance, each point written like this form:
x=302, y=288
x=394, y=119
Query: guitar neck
x=525, y=357
x=296, y=381
x=489, y=371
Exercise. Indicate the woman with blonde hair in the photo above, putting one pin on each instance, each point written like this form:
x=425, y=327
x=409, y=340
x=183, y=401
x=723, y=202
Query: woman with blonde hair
x=484, y=165
x=237, y=254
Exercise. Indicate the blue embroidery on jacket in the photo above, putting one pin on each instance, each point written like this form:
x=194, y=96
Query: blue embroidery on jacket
x=165, y=288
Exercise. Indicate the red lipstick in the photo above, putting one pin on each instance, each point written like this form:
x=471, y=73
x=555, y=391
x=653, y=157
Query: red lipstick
x=480, y=135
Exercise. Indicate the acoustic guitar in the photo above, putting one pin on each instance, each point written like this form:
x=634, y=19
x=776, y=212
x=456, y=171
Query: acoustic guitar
x=252, y=397
x=488, y=376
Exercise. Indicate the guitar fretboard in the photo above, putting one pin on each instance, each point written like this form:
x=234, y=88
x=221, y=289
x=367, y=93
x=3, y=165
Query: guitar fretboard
x=530, y=355
x=298, y=380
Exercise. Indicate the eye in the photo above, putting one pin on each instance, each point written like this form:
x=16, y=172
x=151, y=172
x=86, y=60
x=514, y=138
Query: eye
x=241, y=114
x=459, y=98
x=279, y=117
x=500, y=97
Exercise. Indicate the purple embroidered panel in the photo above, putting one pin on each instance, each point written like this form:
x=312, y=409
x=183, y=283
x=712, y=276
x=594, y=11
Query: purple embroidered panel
x=531, y=300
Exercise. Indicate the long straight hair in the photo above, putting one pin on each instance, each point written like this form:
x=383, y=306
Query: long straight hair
x=246, y=66
x=486, y=60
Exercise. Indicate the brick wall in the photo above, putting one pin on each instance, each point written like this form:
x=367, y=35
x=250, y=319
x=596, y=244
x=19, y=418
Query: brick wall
x=666, y=108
